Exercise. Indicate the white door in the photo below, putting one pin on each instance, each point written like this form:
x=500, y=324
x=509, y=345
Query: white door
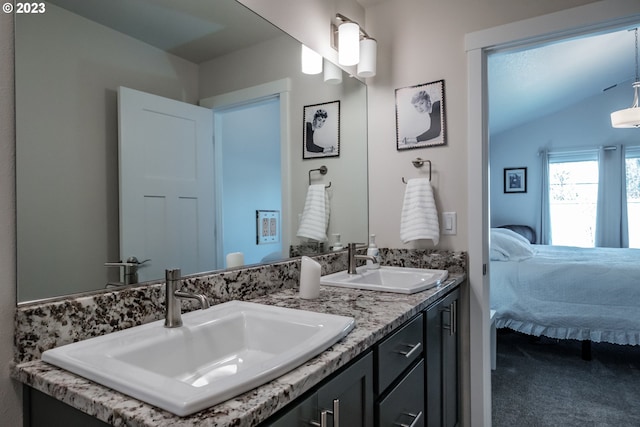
x=166, y=184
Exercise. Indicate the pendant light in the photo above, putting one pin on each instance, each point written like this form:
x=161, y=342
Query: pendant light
x=629, y=117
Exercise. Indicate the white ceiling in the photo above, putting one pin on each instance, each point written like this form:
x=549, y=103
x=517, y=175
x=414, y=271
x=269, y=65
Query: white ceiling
x=533, y=83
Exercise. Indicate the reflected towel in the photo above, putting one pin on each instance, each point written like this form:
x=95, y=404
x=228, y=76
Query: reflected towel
x=315, y=216
x=419, y=215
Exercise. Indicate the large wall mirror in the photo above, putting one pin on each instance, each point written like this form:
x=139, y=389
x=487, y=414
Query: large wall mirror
x=72, y=61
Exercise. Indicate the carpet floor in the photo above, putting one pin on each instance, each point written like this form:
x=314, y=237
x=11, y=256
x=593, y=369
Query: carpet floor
x=542, y=382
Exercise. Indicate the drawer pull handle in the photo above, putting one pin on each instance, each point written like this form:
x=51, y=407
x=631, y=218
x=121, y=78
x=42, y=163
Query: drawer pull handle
x=414, y=348
x=452, y=327
x=416, y=418
x=324, y=416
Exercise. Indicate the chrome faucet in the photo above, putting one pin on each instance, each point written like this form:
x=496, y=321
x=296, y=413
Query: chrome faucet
x=173, y=313
x=353, y=257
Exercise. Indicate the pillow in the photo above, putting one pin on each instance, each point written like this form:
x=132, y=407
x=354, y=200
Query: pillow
x=507, y=245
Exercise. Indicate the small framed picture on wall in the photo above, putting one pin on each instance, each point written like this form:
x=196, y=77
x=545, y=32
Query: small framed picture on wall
x=321, y=130
x=515, y=180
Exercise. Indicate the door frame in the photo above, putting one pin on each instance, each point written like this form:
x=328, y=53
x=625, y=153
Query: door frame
x=594, y=17
x=282, y=89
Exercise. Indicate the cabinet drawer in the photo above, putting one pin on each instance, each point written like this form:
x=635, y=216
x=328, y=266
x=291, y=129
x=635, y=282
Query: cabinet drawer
x=404, y=405
x=398, y=351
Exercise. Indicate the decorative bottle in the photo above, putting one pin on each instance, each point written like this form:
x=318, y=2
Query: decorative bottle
x=337, y=246
x=373, y=251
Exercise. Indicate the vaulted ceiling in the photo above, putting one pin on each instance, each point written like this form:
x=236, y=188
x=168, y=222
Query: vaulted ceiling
x=528, y=84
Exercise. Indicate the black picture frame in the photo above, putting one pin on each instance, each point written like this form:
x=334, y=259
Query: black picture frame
x=515, y=180
x=421, y=116
x=321, y=130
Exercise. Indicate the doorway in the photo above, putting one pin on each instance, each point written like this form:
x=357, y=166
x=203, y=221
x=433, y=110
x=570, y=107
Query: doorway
x=247, y=151
x=599, y=16
x=241, y=116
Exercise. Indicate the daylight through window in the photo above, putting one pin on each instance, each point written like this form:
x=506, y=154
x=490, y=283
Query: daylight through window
x=573, y=195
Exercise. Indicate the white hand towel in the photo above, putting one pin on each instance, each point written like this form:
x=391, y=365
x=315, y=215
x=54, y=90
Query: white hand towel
x=419, y=215
x=315, y=216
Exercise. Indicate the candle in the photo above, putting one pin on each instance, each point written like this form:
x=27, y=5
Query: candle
x=309, y=278
x=235, y=259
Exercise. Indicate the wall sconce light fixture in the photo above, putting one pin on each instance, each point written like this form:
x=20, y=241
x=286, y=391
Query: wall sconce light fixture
x=355, y=47
x=332, y=73
x=311, y=61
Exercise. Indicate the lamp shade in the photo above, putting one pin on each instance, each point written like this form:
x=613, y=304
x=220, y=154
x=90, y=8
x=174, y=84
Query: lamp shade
x=368, y=57
x=627, y=118
x=311, y=61
x=348, y=43
x=332, y=73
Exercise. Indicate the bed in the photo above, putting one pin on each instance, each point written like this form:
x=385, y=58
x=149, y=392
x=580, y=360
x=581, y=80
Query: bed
x=586, y=294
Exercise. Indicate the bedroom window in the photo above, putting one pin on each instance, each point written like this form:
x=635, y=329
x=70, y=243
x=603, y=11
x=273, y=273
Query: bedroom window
x=632, y=164
x=573, y=196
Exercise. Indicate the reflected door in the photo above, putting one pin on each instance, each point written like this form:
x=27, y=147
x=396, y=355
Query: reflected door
x=166, y=184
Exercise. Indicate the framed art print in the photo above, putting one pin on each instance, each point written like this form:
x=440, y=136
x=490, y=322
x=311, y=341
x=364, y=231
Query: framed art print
x=420, y=116
x=321, y=130
x=515, y=180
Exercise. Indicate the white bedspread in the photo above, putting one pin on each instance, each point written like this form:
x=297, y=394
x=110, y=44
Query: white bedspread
x=568, y=292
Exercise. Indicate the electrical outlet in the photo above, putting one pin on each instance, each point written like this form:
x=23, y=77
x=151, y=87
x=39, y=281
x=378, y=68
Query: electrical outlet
x=449, y=223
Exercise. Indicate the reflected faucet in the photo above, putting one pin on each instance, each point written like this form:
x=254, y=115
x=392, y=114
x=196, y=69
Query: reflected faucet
x=130, y=270
x=353, y=257
x=173, y=295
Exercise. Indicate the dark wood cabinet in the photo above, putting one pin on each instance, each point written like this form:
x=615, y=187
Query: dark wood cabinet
x=409, y=378
x=41, y=410
x=345, y=400
x=441, y=359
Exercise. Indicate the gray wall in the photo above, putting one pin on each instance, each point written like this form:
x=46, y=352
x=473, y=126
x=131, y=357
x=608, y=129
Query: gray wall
x=10, y=401
x=71, y=173
x=583, y=125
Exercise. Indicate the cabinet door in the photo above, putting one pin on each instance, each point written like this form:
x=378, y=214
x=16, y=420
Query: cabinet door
x=41, y=410
x=450, y=378
x=349, y=396
x=302, y=414
x=441, y=356
x=433, y=364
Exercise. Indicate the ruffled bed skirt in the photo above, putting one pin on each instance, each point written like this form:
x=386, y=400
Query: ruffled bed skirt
x=613, y=337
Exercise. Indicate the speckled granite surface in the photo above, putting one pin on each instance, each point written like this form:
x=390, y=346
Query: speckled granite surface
x=46, y=325
x=376, y=315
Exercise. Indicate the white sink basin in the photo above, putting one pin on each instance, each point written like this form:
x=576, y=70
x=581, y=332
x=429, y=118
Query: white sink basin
x=387, y=279
x=217, y=354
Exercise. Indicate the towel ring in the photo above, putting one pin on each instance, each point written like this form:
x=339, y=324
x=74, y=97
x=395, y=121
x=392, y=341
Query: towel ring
x=323, y=171
x=418, y=163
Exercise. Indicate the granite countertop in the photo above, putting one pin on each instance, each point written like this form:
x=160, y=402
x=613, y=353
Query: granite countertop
x=376, y=315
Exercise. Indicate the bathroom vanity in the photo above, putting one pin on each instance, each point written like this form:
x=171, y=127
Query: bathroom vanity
x=399, y=364
x=400, y=381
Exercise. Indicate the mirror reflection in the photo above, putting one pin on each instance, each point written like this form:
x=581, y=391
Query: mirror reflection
x=88, y=154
